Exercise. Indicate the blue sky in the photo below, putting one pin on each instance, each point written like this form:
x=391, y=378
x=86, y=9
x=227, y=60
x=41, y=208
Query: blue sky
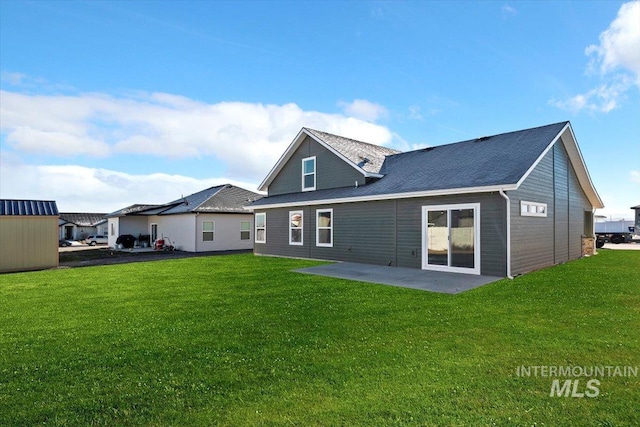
x=105, y=104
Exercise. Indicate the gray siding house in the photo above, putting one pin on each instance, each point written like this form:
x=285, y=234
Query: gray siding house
x=500, y=205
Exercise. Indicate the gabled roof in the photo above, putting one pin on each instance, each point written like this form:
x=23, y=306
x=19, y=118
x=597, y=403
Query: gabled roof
x=499, y=162
x=364, y=157
x=131, y=210
x=635, y=207
x=219, y=199
x=222, y=198
x=83, y=219
x=28, y=208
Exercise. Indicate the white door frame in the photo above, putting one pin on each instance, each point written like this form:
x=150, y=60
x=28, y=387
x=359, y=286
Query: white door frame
x=476, y=248
x=152, y=240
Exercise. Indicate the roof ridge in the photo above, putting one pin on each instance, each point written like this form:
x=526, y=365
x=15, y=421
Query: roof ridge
x=222, y=187
x=351, y=139
x=564, y=123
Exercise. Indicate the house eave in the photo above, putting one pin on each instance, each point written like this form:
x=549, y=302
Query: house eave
x=390, y=196
x=577, y=161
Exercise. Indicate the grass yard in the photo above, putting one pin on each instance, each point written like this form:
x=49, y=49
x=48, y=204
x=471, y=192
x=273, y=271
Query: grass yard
x=241, y=340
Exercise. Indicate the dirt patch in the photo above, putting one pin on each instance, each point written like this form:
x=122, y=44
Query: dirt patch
x=106, y=256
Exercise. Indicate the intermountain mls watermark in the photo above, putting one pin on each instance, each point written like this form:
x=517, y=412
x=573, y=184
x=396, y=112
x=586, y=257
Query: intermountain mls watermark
x=590, y=385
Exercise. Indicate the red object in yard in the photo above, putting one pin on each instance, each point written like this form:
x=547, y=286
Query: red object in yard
x=159, y=244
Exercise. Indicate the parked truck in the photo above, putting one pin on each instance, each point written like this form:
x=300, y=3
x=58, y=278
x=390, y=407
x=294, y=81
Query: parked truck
x=621, y=231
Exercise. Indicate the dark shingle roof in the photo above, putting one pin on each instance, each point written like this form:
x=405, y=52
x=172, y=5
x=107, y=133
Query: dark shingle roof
x=132, y=210
x=497, y=160
x=356, y=151
x=219, y=199
x=83, y=219
x=28, y=208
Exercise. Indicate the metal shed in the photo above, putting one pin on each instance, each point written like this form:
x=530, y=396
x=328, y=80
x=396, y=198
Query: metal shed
x=28, y=235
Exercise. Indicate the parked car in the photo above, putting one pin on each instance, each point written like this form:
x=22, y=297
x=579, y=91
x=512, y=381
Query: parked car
x=64, y=243
x=97, y=240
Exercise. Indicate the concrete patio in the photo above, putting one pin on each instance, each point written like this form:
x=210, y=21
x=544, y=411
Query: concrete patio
x=426, y=280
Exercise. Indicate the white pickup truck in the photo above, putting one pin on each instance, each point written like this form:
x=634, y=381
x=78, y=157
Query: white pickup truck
x=615, y=231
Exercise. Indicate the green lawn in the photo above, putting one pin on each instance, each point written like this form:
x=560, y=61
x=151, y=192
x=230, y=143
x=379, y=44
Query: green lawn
x=241, y=340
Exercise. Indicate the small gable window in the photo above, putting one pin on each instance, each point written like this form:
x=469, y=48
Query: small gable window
x=533, y=209
x=309, y=174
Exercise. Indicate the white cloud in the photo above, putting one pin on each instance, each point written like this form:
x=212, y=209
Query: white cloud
x=247, y=138
x=363, y=109
x=82, y=189
x=602, y=99
x=508, y=11
x=635, y=176
x=619, y=46
x=617, y=58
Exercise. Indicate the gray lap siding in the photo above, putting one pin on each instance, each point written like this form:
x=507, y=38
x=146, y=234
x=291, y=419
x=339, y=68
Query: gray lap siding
x=538, y=242
x=385, y=232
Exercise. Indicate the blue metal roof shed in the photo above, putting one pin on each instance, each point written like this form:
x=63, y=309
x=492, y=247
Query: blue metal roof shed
x=28, y=235
x=28, y=208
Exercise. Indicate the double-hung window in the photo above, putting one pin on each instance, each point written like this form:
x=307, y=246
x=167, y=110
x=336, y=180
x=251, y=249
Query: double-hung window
x=208, y=230
x=309, y=174
x=261, y=227
x=324, y=227
x=245, y=230
x=295, y=227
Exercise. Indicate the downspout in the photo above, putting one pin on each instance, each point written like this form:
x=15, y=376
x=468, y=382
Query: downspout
x=196, y=231
x=504, y=196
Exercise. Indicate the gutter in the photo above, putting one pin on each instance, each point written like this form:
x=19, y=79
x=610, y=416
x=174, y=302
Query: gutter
x=505, y=197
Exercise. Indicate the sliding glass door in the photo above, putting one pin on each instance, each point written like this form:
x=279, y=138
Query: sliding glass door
x=451, y=238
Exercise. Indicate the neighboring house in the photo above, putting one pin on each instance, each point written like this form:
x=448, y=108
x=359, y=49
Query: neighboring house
x=79, y=226
x=500, y=205
x=28, y=235
x=214, y=219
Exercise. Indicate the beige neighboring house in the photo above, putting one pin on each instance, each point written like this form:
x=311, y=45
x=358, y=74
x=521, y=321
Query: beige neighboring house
x=28, y=235
x=214, y=219
x=79, y=226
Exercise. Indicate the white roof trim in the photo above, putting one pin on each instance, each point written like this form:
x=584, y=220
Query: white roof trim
x=577, y=161
x=408, y=195
x=294, y=146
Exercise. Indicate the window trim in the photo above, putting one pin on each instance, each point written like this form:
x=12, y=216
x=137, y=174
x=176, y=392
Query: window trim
x=525, y=209
x=318, y=228
x=264, y=227
x=213, y=231
x=301, y=228
x=304, y=175
x=248, y=230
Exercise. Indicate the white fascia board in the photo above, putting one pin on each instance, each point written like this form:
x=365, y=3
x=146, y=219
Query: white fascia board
x=408, y=195
x=580, y=167
x=340, y=155
x=539, y=159
x=577, y=161
x=264, y=185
